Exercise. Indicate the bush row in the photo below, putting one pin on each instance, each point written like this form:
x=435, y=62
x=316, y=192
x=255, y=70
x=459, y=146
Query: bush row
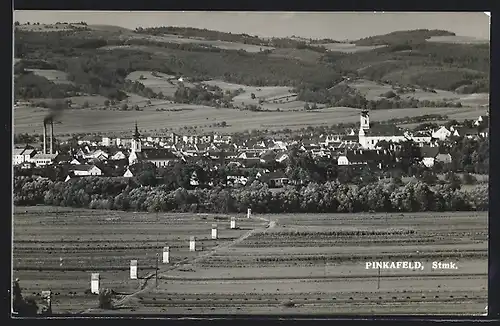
x=124, y=194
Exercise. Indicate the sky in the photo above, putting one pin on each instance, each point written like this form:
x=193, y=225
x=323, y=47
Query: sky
x=334, y=25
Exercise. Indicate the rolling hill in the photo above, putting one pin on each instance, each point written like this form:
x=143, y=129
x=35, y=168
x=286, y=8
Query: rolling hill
x=223, y=70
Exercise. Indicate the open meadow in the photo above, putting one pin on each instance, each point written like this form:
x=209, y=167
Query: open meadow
x=374, y=91
x=176, y=116
x=457, y=39
x=272, y=264
x=168, y=38
x=55, y=76
x=349, y=47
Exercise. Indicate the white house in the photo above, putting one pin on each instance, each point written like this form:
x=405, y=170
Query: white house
x=442, y=133
x=194, y=181
x=237, y=179
x=85, y=170
x=22, y=155
x=97, y=154
x=281, y=157
x=43, y=159
x=76, y=161
x=481, y=120
x=128, y=173
x=106, y=141
x=429, y=155
x=118, y=156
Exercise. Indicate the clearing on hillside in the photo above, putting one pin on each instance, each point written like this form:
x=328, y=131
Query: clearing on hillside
x=349, y=47
x=55, y=76
x=166, y=38
x=374, y=91
x=265, y=93
x=157, y=81
x=458, y=39
x=305, y=55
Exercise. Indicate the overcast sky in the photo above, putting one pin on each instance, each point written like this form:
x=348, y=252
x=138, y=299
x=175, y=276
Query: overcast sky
x=334, y=25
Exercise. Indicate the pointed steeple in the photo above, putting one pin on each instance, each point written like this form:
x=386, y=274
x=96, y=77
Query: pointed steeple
x=136, y=133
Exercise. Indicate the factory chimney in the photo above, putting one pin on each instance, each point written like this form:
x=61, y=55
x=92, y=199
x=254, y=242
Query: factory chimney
x=51, y=121
x=44, y=137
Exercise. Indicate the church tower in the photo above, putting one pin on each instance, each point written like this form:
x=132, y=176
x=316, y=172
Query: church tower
x=364, y=120
x=136, y=140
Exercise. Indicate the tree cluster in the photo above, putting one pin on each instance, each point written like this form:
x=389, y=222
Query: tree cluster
x=102, y=193
x=28, y=86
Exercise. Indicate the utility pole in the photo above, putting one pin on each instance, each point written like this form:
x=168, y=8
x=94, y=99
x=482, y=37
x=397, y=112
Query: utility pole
x=378, y=281
x=156, y=272
x=157, y=254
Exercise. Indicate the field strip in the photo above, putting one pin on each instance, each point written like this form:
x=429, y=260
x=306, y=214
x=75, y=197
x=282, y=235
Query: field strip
x=145, y=286
x=319, y=277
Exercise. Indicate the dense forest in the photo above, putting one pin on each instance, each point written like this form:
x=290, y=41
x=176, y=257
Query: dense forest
x=403, y=37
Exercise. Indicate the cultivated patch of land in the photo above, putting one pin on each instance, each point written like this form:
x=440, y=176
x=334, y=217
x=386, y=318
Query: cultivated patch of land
x=349, y=47
x=29, y=120
x=375, y=91
x=157, y=82
x=316, y=261
x=165, y=38
x=103, y=242
x=457, y=39
x=298, y=54
x=55, y=76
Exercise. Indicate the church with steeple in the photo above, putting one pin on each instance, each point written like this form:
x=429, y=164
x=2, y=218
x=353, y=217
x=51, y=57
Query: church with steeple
x=160, y=157
x=136, y=147
x=369, y=138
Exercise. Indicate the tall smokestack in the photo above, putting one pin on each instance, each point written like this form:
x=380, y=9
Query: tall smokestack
x=51, y=136
x=44, y=137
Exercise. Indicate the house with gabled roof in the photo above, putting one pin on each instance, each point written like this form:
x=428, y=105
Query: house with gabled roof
x=85, y=170
x=429, y=154
x=99, y=154
x=202, y=147
x=222, y=138
x=275, y=179
x=118, y=155
x=250, y=162
x=22, y=155
x=40, y=159
x=441, y=133
x=377, y=157
x=268, y=156
x=236, y=179
x=466, y=132
x=482, y=120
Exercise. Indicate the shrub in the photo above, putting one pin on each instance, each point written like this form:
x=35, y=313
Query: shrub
x=288, y=304
x=23, y=306
x=106, y=299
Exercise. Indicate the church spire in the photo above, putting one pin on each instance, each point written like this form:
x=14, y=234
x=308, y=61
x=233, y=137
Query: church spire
x=136, y=133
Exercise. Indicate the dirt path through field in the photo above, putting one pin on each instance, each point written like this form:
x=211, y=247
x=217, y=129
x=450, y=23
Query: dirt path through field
x=149, y=285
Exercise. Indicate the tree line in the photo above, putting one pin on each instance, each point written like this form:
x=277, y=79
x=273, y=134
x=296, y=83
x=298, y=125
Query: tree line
x=330, y=197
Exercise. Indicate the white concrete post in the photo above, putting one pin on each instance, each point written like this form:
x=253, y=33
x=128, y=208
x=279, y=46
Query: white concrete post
x=47, y=296
x=133, y=269
x=249, y=212
x=214, y=231
x=166, y=255
x=233, y=222
x=94, y=283
x=192, y=243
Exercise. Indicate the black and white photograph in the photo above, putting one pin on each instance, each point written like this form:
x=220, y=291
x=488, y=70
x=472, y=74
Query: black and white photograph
x=250, y=163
